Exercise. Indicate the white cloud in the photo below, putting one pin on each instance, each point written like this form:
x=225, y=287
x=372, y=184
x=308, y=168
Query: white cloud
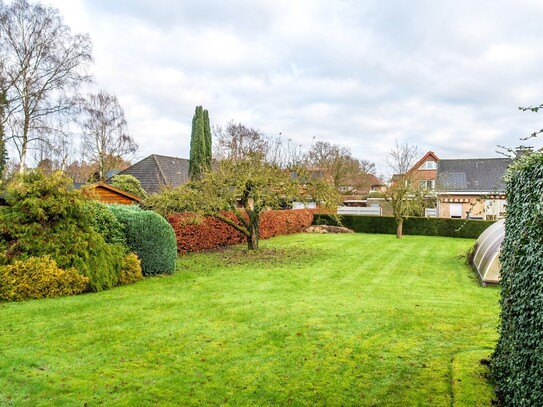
x=447, y=76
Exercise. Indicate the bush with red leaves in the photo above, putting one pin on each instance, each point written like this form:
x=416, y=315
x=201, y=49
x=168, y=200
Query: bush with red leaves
x=195, y=234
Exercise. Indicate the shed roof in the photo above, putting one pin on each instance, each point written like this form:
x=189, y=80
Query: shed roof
x=472, y=175
x=156, y=172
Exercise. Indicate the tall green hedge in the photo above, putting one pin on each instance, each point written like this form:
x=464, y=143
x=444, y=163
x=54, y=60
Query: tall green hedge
x=517, y=363
x=150, y=236
x=412, y=226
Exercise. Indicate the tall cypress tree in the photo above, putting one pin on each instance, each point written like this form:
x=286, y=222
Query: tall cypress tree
x=197, y=145
x=207, y=138
x=200, y=144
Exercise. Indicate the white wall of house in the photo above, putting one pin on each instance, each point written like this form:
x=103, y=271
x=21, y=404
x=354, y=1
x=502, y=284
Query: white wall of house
x=304, y=205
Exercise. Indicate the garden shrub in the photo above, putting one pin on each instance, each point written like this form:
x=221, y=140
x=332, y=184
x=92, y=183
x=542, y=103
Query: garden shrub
x=195, y=233
x=128, y=183
x=106, y=223
x=131, y=270
x=45, y=216
x=150, y=236
x=517, y=363
x=412, y=226
x=39, y=277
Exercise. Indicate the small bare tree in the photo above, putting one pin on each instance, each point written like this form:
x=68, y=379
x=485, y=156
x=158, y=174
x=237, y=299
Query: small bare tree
x=105, y=132
x=43, y=65
x=403, y=195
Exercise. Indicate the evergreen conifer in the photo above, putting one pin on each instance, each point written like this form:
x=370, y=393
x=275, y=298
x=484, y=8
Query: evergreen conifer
x=200, y=144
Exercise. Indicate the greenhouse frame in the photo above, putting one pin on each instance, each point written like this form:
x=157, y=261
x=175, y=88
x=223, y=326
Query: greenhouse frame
x=486, y=254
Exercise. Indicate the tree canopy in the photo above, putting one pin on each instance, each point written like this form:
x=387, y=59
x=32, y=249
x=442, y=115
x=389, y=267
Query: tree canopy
x=340, y=165
x=246, y=188
x=246, y=182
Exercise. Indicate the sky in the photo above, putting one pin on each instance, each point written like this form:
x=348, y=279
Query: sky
x=446, y=76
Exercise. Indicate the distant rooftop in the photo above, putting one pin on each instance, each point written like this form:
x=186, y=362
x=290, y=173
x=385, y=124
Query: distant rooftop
x=157, y=172
x=472, y=175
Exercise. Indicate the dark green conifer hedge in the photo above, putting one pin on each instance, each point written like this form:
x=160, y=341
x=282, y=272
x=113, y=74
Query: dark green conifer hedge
x=412, y=226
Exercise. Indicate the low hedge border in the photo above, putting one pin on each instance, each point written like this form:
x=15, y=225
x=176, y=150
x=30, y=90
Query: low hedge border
x=195, y=234
x=412, y=226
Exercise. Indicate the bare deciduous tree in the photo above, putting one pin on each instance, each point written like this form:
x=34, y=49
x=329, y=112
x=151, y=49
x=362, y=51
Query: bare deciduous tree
x=236, y=142
x=338, y=161
x=367, y=167
x=403, y=195
x=43, y=65
x=105, y=132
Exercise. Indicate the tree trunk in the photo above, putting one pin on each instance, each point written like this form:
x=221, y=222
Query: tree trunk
x=252, y=241
x=399, y=228
x=254, y=235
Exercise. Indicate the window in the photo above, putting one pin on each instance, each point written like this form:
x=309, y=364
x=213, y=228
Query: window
x=428, y=184
x=429, y=165
x=456, y=210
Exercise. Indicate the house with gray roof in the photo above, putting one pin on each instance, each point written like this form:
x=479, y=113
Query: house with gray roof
x=158, y=172
x=471, y=188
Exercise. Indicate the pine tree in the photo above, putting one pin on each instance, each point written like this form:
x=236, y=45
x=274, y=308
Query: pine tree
x=200, y=144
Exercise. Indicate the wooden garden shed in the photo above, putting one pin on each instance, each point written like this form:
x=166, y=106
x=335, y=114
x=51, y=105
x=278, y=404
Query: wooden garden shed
x=110, y=195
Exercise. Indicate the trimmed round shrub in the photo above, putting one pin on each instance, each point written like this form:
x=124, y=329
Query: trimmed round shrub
x=150, y=236
x=39, y=277
x=131, y=270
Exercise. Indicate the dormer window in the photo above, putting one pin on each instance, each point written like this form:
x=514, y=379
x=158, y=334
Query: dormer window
x=429, y=165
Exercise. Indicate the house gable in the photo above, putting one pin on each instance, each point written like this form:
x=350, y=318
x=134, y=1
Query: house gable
x=423, y=174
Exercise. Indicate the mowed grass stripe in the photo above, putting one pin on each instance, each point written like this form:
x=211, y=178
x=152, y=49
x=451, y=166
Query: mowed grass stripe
x=312, y=320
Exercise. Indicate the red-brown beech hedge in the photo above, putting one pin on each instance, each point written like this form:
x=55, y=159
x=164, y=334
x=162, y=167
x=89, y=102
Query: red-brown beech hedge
x=194, y=234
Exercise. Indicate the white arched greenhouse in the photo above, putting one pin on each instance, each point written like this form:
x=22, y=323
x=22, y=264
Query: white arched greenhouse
x=486, y=255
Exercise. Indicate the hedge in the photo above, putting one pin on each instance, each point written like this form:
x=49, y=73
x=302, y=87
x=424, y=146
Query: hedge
x=517, y=363
x=150, y=237
x=196, y=234
x=412, y=226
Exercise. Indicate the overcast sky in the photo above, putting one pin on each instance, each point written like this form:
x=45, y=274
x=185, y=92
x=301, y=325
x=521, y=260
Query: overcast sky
x=447, y=76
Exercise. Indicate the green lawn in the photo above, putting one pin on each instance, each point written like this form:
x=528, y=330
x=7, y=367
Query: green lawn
x=346, y=320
